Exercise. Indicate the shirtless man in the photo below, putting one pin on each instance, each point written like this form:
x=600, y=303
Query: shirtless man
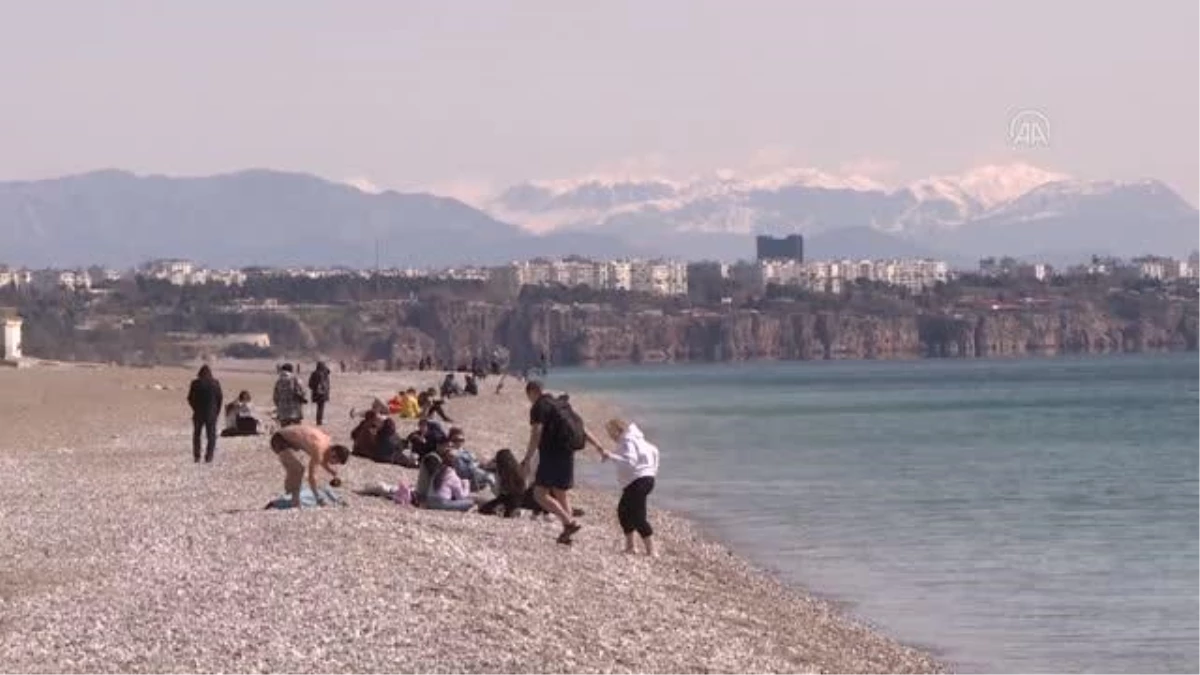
x=289, y=441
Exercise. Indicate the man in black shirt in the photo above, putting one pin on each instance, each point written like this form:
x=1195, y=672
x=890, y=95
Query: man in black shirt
x=555, y=473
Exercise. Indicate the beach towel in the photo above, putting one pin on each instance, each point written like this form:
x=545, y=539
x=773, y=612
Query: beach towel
x=307, y=499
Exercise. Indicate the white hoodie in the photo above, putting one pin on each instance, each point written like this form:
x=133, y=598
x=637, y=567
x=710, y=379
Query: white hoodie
x=635, y=457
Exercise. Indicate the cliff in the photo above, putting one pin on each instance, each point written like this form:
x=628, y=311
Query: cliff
x=454, y=332
x=629, y=330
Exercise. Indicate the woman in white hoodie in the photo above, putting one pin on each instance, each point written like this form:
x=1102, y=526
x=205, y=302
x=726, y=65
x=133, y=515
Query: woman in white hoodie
x=637, y=465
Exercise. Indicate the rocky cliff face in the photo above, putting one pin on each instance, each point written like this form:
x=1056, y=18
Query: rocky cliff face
x=595, y=335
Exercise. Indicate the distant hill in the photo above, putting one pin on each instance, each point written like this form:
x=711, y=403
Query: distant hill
x=257, y=217
x=272, y=218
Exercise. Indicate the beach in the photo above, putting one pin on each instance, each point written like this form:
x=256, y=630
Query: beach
x=122, y=555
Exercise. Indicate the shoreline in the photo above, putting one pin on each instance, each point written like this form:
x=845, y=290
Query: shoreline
x=119, y=543
x=709, y=531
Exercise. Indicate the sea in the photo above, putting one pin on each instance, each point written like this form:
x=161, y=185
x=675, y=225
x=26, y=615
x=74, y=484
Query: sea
x=1034, y=515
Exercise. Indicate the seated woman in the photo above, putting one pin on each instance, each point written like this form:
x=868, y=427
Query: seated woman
x=439, y=488
x=466, y=465
x=510, y=487
x=239, y=417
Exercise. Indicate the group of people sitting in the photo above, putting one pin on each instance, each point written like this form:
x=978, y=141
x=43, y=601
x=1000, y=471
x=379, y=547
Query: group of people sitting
x=449, y=477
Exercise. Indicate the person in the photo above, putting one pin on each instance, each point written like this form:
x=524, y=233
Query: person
x=432, y=405
x=472, y=386
x=549, y=441
x=544, y=363
x=376, y=439
x=425, y=439
x=239, y=417
x=289, y=397
x=364, y=435
x=438, y=487
x=292, y=441
x=318, y=384
x=466, y=464
x=510, y=489
x=205, y=398
x=450, y=386
x=636, y=460
x=405, y=404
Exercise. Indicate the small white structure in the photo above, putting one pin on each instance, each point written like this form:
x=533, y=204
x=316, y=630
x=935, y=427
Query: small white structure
x=12, y=339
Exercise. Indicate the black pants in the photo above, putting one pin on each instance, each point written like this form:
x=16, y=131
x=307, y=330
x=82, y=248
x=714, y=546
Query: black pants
x=435, y=408
x=209, y=426
x=320, y=412
x=631, y=510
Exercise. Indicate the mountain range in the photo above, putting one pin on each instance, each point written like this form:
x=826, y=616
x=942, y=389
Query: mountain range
x=267, y=217
x=1016, y=209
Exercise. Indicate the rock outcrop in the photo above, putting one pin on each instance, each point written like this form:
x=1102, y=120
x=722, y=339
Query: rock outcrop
x=456, y=331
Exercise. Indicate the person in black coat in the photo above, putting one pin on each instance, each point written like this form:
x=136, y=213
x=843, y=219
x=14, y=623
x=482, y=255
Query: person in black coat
x=318, y=384
x=205, y=398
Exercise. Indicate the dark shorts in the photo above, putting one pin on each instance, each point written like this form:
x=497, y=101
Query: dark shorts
x=556, y=471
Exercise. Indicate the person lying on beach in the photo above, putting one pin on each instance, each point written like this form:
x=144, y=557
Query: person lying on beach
x=636, y=460
x=377, y=406
x=290, y=442
x=375, y=438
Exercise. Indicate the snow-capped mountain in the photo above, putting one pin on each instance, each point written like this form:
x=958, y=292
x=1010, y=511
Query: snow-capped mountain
x=982, y=211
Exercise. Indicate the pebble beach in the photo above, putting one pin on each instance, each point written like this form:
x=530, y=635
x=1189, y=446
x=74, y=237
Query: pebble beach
x=122, y=555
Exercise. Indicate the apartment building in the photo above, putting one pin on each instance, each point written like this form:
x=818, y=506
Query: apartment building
x=661, y=277
x=831, y=276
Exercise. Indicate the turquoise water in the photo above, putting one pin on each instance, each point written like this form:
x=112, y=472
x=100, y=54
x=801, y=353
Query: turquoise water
x=1019, y=516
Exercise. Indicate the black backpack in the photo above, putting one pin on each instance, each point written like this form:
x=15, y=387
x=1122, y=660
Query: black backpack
x=572, y=424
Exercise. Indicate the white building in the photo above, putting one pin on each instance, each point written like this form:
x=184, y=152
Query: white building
x=10, y=347
x=657, y=276
x=1166, y=269
x=12, y=277
x=831, y=276
x=74, y=280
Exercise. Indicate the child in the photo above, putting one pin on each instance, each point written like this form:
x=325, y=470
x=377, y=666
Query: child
x=637, y=465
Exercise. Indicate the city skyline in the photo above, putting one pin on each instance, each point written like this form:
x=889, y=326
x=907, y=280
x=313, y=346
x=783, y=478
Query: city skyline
x=418, y=96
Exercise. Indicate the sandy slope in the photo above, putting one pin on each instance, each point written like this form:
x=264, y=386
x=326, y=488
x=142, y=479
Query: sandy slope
x=120, y=554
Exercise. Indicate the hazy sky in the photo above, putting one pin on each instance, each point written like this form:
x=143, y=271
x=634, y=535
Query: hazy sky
x=456, y=95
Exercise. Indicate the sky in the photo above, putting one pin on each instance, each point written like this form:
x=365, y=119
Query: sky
x=462, y=98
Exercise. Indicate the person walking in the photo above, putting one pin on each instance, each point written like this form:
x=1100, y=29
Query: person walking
x=289, y=397
x=318, y=385
x=556, y=432
x=206, y=399
x=636, y=460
